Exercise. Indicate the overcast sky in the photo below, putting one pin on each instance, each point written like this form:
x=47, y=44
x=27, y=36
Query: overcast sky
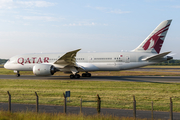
x=33, y=26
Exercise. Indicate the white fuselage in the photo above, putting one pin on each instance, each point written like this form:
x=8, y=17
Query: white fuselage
x=88, y=61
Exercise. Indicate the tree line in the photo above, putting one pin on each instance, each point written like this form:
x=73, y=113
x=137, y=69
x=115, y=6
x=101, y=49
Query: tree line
x=2, y=61
x=170, y=62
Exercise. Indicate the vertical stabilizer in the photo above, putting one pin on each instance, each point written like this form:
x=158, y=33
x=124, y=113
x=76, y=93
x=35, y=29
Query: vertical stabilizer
x=154, y=41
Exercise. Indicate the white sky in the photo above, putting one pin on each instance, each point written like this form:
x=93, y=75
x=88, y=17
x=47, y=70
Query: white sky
x=33, y=26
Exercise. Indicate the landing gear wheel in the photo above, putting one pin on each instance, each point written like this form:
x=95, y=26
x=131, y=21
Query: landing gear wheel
x=72, y=76
x=77, y=76
x=17, y=75
x=86, y=74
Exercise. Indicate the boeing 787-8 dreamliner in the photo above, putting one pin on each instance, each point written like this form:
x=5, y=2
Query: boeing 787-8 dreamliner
x=147, y=53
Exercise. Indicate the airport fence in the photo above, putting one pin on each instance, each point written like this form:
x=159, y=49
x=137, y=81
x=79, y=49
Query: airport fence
x=98, y=102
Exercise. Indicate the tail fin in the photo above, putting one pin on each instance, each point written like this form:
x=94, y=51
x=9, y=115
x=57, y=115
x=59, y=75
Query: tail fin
x=154, y=41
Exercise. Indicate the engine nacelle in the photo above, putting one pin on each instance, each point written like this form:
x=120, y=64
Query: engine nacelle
x=44, y=70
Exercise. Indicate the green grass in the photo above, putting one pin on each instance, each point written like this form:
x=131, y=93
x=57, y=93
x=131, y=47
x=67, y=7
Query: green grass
x=50, y=116
x=113, y=94
x=4, y=71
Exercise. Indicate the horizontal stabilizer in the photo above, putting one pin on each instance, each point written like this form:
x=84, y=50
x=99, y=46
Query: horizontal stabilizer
x=156, y=56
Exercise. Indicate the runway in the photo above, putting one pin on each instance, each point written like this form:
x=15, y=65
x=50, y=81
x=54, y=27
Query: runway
x=90, y=111
x=160, y=79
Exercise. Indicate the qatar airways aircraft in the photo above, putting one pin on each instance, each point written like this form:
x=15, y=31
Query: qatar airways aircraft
x=147, y=53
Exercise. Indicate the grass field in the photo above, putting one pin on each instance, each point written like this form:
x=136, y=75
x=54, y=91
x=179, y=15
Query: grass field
x=113, y=94
x=49, y=116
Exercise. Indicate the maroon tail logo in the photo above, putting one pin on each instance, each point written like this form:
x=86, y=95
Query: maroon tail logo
x=156, y=41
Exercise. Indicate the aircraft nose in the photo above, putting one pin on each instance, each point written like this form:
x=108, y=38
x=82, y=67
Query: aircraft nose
x=6, y=65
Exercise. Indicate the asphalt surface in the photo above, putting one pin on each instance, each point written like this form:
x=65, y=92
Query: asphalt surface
x=161, y=79
x=89, y=111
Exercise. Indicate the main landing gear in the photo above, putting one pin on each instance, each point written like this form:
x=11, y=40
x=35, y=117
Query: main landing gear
x=86, y=74
x=77, y=76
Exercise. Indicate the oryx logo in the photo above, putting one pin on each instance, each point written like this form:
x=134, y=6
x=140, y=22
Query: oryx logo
x=156, y=40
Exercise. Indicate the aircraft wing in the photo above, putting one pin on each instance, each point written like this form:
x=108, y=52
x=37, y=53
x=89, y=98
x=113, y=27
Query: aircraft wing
x=156, y=56
x=68, y=59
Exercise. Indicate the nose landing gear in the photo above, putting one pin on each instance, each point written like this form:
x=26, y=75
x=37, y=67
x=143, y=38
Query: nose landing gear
x=17, y=73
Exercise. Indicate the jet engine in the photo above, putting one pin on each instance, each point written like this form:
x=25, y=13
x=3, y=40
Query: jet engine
x=44, y=70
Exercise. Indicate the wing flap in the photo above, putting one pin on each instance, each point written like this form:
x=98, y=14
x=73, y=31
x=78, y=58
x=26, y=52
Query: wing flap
x=156, y=56
x=68, y=59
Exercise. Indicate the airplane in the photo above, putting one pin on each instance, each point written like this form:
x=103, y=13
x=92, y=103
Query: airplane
x=73, y=62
